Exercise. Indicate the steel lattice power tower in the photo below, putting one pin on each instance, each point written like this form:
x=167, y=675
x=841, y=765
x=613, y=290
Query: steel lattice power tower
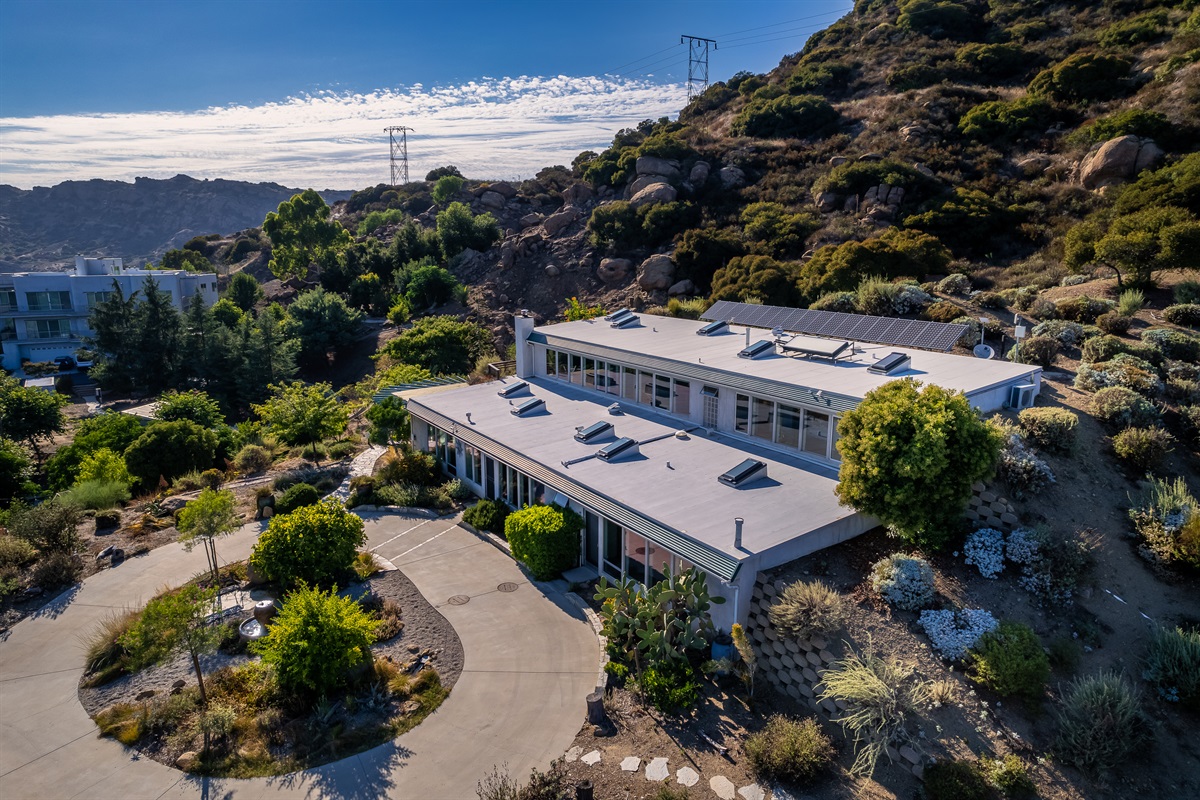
x=399, y=153
x=697, y=63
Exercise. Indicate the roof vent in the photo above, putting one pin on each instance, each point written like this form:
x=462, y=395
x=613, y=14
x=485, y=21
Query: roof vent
x=513, y=388
x=616, y=410
x=618, y=449
x=614, y=316
x=593, y=431
x=892, y=362
x=528, y=407
x=713, y=328
x=745, y=472
x=761, y=347
x=627, y=321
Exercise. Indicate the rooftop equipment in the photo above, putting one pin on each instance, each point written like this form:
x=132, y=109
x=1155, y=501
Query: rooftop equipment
x=761, y=347
x=627, y=321
x=892, y=362
x=745, y=472
x=614, y=450
x=513, y=388
x=713, y=328
x=614, y=316
x=814, y=347
x=593, y=431
x=528, y=407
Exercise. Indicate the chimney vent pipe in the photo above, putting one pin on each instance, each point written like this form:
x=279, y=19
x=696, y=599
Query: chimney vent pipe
x=737, y=532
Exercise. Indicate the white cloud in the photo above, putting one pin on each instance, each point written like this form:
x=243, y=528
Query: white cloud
x=490, y=128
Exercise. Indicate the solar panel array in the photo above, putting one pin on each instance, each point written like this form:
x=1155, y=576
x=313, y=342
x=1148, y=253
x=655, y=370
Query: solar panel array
x=835, y=324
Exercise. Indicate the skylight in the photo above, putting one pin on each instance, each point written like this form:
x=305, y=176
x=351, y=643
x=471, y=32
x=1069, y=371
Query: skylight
x=593, y=431
x=528, y=407
x=761, y=347
x=626, y=321
x=613, y=317
x=713, y=328
x=892, y=362
x=812, y=346
x=613, y=450
x=513, y=388
x=748, y=470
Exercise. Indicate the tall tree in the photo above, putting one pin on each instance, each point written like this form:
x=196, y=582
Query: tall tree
x=270, y=357
x=15, y=469
x=160, y=328
x=175, y=622
x=28, y=414
x=300, y=414
x=301, y=232
x=115, y=323
x=322, y=322
x=244, y=290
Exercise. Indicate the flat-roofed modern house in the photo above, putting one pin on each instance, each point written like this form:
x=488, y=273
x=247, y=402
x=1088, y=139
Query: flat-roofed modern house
x=44, y=315
x=683, y=442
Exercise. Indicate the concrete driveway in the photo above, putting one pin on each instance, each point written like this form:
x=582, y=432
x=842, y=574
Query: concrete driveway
x=530, y=660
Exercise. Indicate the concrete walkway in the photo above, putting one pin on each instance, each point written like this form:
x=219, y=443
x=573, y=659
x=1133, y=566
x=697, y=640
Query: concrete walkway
x=530, y=661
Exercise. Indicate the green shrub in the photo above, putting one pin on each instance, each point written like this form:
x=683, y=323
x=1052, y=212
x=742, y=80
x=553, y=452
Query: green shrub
x=1136, y=30
x=1130, y=302
x=1063, y=331
x=544, y=538
x=1187, y=292
x=375, y=220
x=755, y=278
x=941, y=311
x=822, y=77
x=408, y=466
x=789, y=116
x=1100, y=723
x=96, y=495
x=15, y=552
x=1006, y=119
x=669, y=687
x=1082, y=308
x=1083, y=76
x=1173, y=665
x=1143, y=448
x=1112, y=322
x=993, y=60
x=1119, y=407
x=939, y=19
x=1186, y=314
x=315, y=640
x=1124, y=370
x=904, y=581
x=313, y=545
x=50, y=527
x=1190, y=418
x=1172, y=344
x=955, y=780
x=845, y=302
x=297, y=496
x=615, y=225
x=807, y=608
x=1039, y=350
x=1049, y=428
x=167, y=450
x=487, y=515
x=906, y=77
x=252, y=459
x=1131, y=121
x=1167, y=518
x=1009, y=775
x=404, y=495
x=792, y=750
x=1010, y=661
x=1105, y=348
x=57, y=569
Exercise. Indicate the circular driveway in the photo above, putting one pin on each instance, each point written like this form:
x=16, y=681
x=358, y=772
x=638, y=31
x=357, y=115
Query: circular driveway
x=530, y=660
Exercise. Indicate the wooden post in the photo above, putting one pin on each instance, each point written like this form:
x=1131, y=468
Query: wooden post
x=584, y=790
x=596, y=713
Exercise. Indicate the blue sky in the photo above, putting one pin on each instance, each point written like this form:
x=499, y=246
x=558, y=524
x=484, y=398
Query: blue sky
x=298, y=92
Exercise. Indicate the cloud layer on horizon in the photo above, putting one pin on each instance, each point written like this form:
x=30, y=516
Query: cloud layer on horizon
x=490, y=128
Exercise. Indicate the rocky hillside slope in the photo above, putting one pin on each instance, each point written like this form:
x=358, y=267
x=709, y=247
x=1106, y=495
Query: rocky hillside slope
x=44, y=227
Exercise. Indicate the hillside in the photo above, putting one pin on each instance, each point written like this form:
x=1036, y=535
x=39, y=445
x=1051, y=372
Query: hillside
x=44, y=227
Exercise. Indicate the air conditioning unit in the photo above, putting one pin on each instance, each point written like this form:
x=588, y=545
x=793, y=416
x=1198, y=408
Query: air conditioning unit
x=1021, y=395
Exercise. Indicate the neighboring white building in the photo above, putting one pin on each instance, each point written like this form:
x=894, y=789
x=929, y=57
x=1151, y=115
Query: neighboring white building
x=702, y=454
x=44, y=315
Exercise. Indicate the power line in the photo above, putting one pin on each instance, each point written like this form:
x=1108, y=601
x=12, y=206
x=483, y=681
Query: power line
x=647, y=67
x=643, y=58
x=764, y=41
x=810, y=27
x=784, y=22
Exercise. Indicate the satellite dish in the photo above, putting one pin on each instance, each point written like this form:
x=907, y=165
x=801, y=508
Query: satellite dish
x=984, y=351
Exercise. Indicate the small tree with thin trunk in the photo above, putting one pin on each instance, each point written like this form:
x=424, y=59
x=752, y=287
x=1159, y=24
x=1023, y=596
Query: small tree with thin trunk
x=300, y=414
x=175, y=622
x=211, y=515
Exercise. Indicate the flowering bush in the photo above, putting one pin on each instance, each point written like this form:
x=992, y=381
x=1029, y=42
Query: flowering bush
x=904, y=581
x=1022, y=471
x=910, y=299
x=985, y=550
x=954, y=284
x=1022, y=546
x=1064, y=331
x=1122, y=370
x=953, y=633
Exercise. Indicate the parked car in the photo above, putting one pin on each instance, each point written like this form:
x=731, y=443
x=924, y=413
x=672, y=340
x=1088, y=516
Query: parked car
x=65, y=363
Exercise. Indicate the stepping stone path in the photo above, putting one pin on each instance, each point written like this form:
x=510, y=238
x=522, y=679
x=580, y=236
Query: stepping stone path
x=687, y=776
x=752, y=792
x=657, y=770
x=631, y=764
x=723, y=787
x=362, y=464
x=592, y=758
x=573, y=754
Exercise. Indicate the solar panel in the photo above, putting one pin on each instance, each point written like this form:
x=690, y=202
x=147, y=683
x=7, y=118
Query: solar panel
x=835, y=324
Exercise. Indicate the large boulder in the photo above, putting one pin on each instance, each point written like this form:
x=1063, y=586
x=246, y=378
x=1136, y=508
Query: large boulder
x=657, y=192
x=651, y=165
x=1117, y=160
x=732, y=177
x=555, y=223
x=577, y=194
x=656, y=273
x=826, y=202
x=684, y=287
x=507, y=254
x=492, y=200
x=504, y=189
x=641, y=182
x=531, y=219
x=699, y=174
x=614, y=270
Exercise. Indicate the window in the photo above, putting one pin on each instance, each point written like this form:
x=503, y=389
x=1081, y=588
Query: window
x=787, y=426
x=683, y=398
x=741, y=421
x=8, y=299
x=833, y=440
x=561, y=373
x=48, y=301
x=816, y=433
x=629, y=388
x=576, y=370
x=589, y=373
x=551, y=363
x=635, y=556
x=647, y=383
x=94, y=298
x=48, y=328
x=662, y=392
x=8, y=329
x=764, y=414
x=613, y=385
x=472, y=464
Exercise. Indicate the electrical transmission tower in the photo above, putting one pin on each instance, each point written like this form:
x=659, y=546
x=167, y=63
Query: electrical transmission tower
x=697, y=63
x=399, y=153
